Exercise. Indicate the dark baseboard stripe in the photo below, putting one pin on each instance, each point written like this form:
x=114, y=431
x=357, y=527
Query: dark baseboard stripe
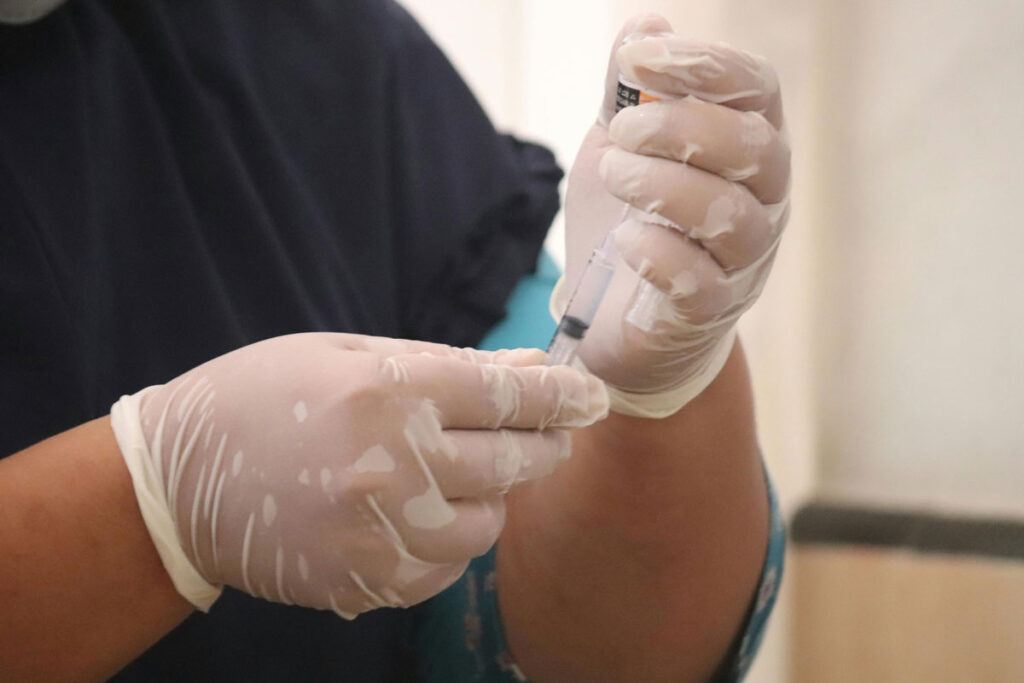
x=831, y=524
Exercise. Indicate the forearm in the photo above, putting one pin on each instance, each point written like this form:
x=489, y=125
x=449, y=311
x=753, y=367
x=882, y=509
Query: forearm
x=82, y=589
x=637, y=560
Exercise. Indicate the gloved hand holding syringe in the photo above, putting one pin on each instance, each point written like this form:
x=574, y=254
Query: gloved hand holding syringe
x=702, y=169
x=589, y=293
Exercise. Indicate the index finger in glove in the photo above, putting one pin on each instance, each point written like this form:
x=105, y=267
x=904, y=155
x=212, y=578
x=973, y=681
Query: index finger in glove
x=713, y=72
x=490, y=396
x=385, y=347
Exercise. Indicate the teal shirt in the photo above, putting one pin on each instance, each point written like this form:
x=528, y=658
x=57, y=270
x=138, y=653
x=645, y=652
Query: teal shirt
x=527, y=322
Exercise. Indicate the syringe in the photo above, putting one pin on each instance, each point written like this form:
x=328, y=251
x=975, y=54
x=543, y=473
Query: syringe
x=582, y=308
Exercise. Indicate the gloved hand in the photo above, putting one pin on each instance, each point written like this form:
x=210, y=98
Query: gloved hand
x=706, y=172
x=341, y=471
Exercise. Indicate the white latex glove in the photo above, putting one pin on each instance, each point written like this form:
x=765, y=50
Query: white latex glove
x=341, y=471
x=707, y=174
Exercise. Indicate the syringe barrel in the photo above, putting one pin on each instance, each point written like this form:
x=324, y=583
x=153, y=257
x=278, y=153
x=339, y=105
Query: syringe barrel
x=593, y=282
x=582, y=308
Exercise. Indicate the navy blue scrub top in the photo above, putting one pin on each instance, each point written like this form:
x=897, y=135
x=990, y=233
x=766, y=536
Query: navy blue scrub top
x=179, y=178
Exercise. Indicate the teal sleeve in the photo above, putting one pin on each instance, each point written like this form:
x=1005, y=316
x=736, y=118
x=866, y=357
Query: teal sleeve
x=460, y=637
x=528, y=322
x=764, y=599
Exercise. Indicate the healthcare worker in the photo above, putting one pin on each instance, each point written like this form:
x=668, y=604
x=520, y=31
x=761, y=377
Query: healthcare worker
x=222, y=219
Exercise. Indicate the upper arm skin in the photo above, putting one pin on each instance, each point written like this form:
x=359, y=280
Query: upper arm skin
x=639, y=558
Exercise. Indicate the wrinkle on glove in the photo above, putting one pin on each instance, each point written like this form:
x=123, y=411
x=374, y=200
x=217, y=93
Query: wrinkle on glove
x=705, y=179
x=340, y=471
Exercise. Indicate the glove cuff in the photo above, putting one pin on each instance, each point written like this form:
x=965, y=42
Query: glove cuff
x=149, y=492
x=661, y=404
x=666, y=403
